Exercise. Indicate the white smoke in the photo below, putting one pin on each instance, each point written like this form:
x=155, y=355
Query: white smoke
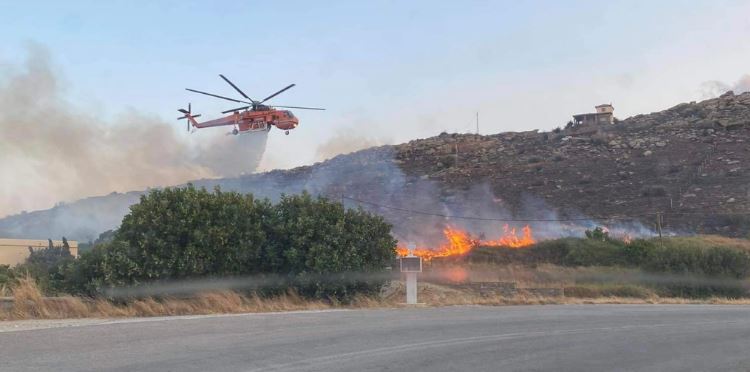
x=715, y=88
x=52, y=151
x=344, y=143
x=420, y=209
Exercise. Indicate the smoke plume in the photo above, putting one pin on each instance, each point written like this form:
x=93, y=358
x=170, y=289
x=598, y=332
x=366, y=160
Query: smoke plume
x=345, y=142
x=53, y=152
x=715, y=88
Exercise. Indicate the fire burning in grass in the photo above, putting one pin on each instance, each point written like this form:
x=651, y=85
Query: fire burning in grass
x=459, y=242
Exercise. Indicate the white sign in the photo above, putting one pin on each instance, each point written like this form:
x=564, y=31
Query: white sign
x=411, y=264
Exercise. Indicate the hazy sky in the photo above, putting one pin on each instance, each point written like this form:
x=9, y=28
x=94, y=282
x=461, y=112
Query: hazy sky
x=387, y=71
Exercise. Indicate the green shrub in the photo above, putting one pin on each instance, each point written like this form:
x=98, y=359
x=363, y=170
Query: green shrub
x=692, y=267
x=564, y=251
x=186, y=233
x=7, y=277
x=681, y=256
x=86, y=274
x=692, y=259
x=551, y=251
x=591, y=252
x=46, y=266
x=636, y=253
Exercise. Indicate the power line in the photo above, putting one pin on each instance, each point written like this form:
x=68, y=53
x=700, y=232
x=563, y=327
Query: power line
x=477, y=218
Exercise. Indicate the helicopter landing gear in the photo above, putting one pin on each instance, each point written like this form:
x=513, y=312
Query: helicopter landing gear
x=286, y=132
x=235, y=131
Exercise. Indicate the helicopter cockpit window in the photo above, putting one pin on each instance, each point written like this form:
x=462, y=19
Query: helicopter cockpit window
x=289, y=114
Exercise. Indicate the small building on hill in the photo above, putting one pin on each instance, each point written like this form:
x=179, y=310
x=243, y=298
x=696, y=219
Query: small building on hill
x=604, y=115
x=15, y=251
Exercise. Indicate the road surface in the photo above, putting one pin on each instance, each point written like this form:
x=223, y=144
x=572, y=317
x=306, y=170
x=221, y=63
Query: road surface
x=467, y=338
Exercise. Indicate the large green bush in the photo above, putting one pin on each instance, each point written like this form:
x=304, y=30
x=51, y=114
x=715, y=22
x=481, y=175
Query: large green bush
x=690, y=259
x=180, y=233
x=564, y=251
x=187, y=232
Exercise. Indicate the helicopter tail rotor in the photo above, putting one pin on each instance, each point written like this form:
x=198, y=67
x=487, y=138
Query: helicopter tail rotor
x=188, y=114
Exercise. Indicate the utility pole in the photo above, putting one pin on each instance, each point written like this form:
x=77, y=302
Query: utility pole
x=658, y=226
x=477, y=122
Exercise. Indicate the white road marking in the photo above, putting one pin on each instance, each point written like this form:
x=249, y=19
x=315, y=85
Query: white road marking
x=39, y=324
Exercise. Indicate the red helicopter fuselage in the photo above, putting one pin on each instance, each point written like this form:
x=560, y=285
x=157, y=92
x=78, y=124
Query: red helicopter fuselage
x=252, y=121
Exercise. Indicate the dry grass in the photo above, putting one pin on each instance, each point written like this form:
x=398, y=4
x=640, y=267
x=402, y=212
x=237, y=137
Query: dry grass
x=5, y=290
x=438, y=295
x=29, y=303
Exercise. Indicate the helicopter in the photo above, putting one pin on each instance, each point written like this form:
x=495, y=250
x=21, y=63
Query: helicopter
x=255, y=116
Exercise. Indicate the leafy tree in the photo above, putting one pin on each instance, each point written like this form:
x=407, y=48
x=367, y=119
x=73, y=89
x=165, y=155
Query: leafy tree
x=104, y=237
x=46, y=265
x=318, y=236
x=86, y=274
x=178, y=233
x=187, y=232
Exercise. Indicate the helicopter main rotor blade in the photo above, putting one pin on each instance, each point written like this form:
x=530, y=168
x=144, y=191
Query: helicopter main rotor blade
x=299, y=107
x=236, y=109
x=237, y=89
x=277, y=93
x=217, y=96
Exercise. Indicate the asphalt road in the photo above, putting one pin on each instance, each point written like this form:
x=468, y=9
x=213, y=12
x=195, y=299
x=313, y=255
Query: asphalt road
x=560, y=338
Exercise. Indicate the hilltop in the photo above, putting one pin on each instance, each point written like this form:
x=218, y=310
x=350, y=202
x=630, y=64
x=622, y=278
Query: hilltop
x=688, y=162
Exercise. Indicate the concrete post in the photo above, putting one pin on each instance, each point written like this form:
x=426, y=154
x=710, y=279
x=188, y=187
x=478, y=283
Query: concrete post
x=411, y=265
x=411, y=288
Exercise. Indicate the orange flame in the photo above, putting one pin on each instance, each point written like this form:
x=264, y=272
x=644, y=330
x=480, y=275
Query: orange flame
x=459, y=243
x=627, y=239
x=511, y=240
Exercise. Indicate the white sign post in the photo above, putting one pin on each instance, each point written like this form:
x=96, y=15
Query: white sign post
x=411, y=265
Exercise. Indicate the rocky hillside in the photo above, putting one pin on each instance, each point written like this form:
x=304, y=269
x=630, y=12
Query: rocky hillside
x=689, y=163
